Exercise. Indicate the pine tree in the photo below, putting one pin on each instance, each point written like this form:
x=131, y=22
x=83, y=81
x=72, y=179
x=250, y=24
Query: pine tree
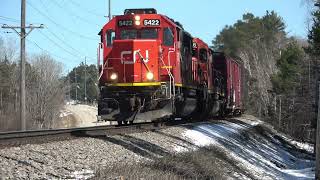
x=284, y=82
x=77, y=80
x=314, y=33
x=314, y=51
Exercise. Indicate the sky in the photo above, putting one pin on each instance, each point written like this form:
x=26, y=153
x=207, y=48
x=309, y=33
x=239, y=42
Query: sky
x=71, y=26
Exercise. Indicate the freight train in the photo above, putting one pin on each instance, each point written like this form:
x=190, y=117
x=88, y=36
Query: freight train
x=151, y=68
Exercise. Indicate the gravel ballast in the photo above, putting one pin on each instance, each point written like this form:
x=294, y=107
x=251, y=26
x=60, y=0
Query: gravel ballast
x=81, y=158
x=66, y=159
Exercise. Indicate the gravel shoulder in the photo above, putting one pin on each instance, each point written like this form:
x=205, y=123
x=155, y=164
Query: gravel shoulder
x=88, y=157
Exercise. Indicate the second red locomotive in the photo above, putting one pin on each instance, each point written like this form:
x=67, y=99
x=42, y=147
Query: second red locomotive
x=152, y=68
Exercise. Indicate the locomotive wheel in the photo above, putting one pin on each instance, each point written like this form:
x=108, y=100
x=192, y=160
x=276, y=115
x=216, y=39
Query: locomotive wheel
x=221, y=113
x=130, y=122
x=125, y=122
x=119, y=123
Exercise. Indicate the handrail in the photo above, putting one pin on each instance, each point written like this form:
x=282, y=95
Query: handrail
x=104, y=65
x=143, y=60
x=171, y=79
x=100, y=46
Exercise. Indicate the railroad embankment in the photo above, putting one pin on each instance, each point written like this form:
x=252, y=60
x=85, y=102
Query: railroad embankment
x=240, y=148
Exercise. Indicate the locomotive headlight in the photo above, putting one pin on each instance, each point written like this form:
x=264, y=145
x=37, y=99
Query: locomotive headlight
x=150, y=76
x=114, y=76
x=137, y=18
x=137, y=23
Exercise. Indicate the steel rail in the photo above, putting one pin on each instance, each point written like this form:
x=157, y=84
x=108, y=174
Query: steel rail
x=17, y=138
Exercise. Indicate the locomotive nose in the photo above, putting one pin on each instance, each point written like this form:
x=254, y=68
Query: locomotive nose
x=135, y=61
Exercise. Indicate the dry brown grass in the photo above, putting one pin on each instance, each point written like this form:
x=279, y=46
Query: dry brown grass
x=8, y=123
x=206, y=163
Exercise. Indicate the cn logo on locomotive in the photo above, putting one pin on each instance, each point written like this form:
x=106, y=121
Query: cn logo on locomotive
x=134, y=56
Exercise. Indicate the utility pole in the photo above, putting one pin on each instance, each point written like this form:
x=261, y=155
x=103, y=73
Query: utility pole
x=109, y=10
x=1, y=99
x=279, y=112
x=75, y=79
x=309, y=74
x=69, y=87
x=23, y=36
x=85, y=80
x=317, y=173
x=275, y=104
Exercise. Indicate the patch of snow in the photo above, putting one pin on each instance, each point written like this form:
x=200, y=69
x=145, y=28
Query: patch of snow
x=264, y=156
x=305, y=146
x=250, y=120
x=301, y=145
x=198, y=138
x=307, y=173
x=83, y=174
x=64, y=113
x=85, y=115
x=180, y=149
x=71, y=102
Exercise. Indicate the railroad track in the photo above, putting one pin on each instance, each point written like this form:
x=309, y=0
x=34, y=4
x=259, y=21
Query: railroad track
x=17, y=138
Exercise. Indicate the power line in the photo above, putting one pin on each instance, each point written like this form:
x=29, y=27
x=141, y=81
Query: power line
x=61, y=40
x=65, y=43
x=73, y=14
x=13, y=20
x=44, y=6
x=59, y=25
x=85, y=9
x=59, y=45
x=9, y=19
x=52, y=33
x=52, y=54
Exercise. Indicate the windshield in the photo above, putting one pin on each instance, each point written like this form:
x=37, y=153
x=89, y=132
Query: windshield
x=150, y=33
x=128, y=34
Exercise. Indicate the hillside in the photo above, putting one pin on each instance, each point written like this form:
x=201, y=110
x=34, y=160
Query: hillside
x=241, y=148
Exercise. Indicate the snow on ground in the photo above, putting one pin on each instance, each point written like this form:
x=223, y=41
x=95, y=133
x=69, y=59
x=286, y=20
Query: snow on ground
x=85, y=115
x=254, y=150
x=79, y=115
x=264, y=154
x=64, y=113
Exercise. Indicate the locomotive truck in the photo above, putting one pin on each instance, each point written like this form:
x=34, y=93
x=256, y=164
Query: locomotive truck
x=151, y=68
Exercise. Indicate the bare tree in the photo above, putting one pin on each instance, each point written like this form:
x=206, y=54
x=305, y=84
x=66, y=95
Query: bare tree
x=45, y=92
x=8, y=79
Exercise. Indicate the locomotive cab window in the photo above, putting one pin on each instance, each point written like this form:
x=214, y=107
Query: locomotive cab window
x=128, y=34
x=195, y=52
x=203, y=55
x=150, y=33
x=110, y=36
x=168, y=37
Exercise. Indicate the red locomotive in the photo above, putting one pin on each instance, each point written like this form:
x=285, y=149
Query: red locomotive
x=152, y=68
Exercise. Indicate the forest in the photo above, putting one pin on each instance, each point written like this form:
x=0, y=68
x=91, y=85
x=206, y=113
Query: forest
x=280, y=77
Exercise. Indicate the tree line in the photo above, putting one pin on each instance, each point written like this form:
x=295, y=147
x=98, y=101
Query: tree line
x=82, y=83
x=44, y=89
x=279, y=74
x=47, y=89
